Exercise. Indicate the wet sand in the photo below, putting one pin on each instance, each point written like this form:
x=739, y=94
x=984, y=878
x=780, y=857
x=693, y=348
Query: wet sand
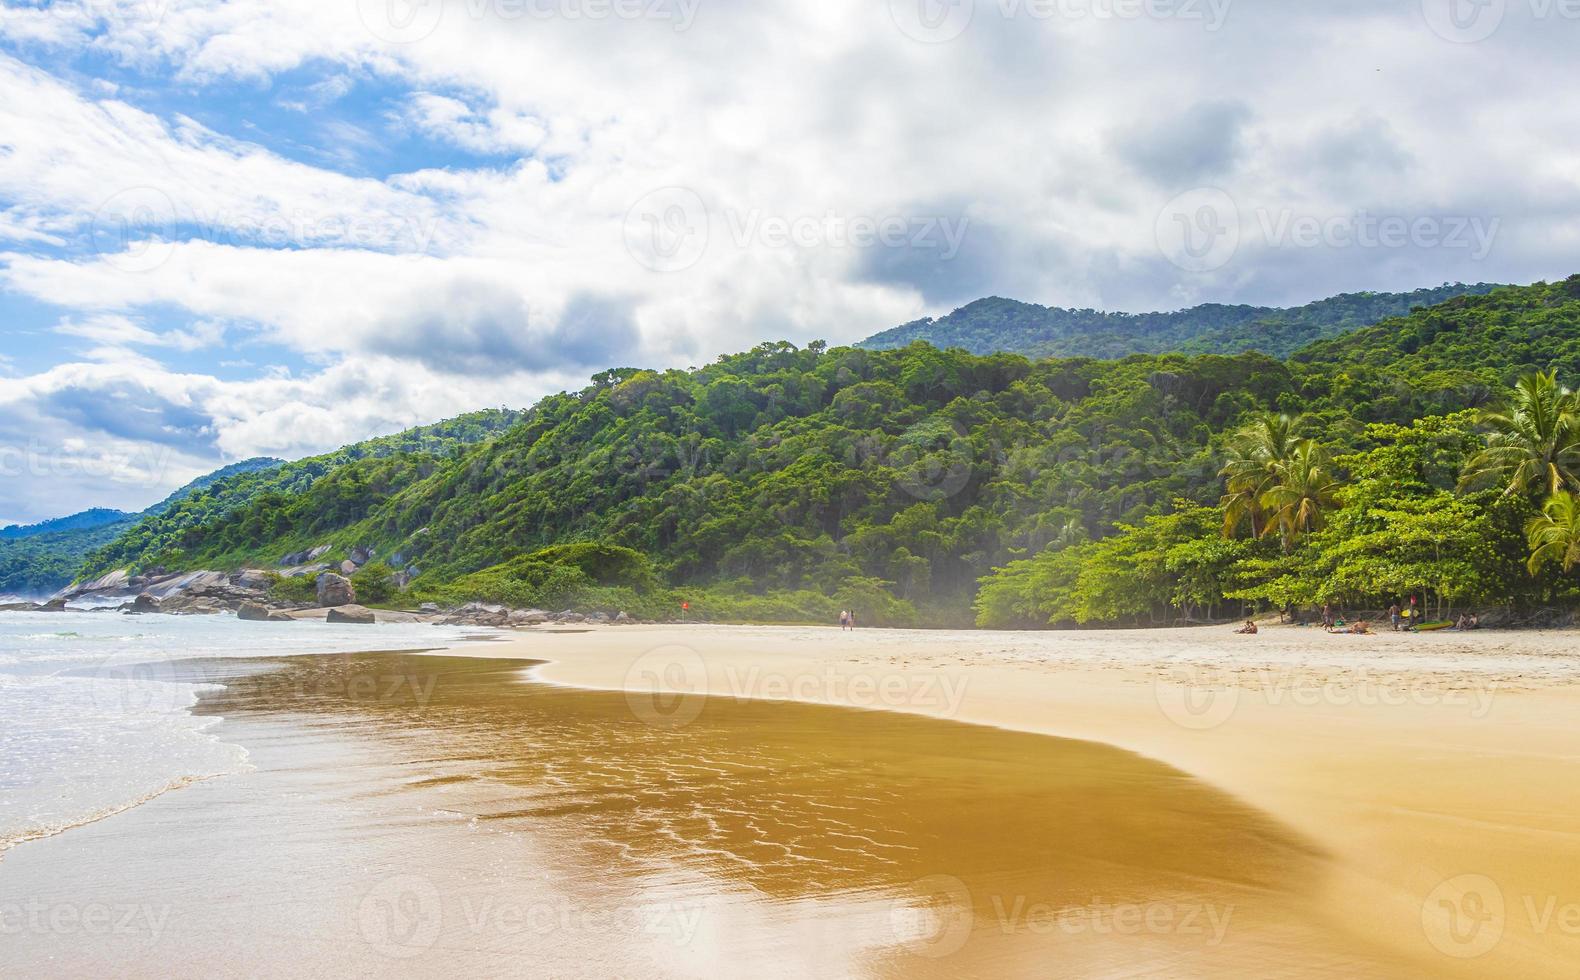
x=1202, y=812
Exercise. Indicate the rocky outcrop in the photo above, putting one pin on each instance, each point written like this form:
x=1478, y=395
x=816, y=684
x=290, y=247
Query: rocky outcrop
x=253, y=612
x=335, y=590
x=252, y=579
x=527, y=617
x=53, y=605
x=362, y=554
x=304, y=557
x=145, y=603
x=350, y=614
x=296, y=571
x=477, y=614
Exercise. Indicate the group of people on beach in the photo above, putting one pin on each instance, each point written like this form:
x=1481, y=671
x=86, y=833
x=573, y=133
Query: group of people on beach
x=1402, y=619
x=847, y=619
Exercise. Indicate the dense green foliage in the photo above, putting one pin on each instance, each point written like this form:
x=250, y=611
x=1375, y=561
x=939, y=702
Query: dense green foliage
x=933, y=487
x=164, y=535
x=40, y=559
x=86, y=520
x=996, y=325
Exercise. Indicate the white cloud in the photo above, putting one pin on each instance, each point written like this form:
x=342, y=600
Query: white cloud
x=1055, y=144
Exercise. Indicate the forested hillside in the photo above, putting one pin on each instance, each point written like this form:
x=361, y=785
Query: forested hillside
x=996, y=325
x=778, y=482
x=38, y=559
x=162, y=535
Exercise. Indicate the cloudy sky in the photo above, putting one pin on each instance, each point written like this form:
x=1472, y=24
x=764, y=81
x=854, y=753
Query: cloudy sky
x=275, y=226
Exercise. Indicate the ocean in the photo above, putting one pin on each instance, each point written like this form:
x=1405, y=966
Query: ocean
x=94, y=718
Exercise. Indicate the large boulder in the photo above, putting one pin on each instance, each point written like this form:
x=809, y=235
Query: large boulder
x=335, y=590
x=528, y=617
x=253, y=612
x=348, y=567
x=145, y=603
x=280, y=616
x=350, y=614
x=53, y=605
x=252, y=579
x=362, y=554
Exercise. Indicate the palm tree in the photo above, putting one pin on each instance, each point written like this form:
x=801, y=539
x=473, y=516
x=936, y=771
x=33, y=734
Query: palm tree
x=1303, y=488
x=1555, y=535
x=1255, y=453
x=1535, y=444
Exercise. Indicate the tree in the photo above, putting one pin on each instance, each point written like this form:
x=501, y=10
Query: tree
x=1255, y=453
x=1534, y=444
x=1303, y=488
x=1555, y=535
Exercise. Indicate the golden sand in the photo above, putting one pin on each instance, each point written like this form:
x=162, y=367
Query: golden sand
x=677, y=801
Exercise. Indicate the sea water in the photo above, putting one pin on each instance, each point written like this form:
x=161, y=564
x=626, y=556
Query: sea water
x=95, y=717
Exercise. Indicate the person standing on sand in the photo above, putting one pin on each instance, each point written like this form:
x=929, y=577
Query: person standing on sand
x=844, y=620
x=853, y=620
x=1393, y=616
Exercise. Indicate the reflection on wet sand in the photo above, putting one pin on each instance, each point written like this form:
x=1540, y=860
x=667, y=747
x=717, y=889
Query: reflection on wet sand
x=892, y=844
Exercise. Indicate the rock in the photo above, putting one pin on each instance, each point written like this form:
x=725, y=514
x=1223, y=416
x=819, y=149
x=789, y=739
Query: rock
x=348, y=568
x=362, y=554
x=53, y=605
x=569, y=616
x=253, y=579
x=350, y=614
x=429, y=607
x=253, y=612
x=528, y=617
x=621, y=618
x=318, y=552
x=280, y=616
x=335, y=590
x=477, y=614
x=145, y=603
x=18, y=607
x=598, y=617
x=112, y=582
x=294, y=558
x=296, y=571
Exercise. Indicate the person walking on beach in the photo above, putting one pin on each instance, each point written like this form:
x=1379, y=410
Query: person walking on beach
x=844, y=620
x=1393, y=616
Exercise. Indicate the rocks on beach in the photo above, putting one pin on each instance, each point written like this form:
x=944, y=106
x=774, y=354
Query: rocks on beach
x=335, y=590
x=350, y=613
x=247, y=593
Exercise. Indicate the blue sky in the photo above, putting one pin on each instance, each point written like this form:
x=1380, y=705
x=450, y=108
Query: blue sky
x=247, y=228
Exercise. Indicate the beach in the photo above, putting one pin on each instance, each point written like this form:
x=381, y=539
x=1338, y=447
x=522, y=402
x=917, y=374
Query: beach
x=686, y=800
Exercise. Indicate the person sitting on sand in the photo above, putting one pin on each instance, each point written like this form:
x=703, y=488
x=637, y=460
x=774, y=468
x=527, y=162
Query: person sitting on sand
x=1248, y=628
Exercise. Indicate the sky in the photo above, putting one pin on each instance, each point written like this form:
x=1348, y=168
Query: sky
x=272, y=227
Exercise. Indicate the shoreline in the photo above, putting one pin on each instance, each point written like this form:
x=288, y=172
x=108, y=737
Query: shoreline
x=1400, y=754
x=1397, y=756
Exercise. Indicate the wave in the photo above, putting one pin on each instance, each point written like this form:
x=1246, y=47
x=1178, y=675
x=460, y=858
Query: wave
x=12, y=839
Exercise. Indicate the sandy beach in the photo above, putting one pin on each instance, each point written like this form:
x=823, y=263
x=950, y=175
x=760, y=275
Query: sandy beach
x=677, y=801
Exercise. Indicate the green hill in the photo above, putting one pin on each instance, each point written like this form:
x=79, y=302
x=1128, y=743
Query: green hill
x=42, y=558
x=996, y=325
x=928, y=487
